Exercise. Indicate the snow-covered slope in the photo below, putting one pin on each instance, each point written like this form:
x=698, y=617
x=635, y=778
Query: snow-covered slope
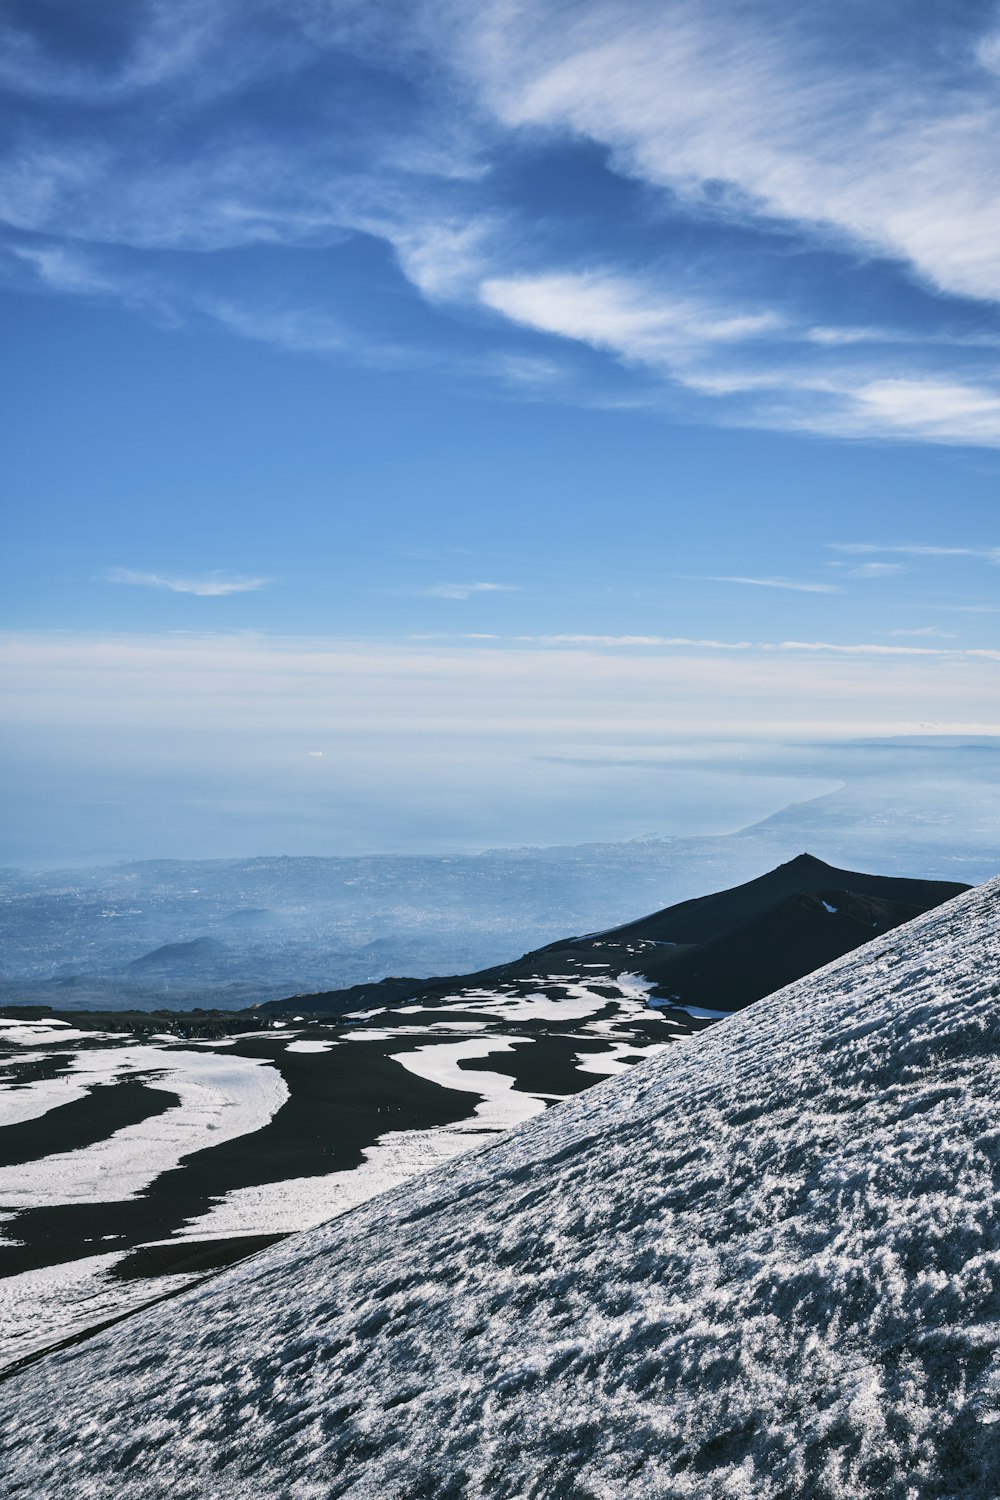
x=765, y=1263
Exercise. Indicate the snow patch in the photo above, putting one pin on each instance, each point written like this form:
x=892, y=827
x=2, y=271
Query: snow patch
x=503, y=1105
x=39, y=1033
x=610, y=1062
x=219, y=1098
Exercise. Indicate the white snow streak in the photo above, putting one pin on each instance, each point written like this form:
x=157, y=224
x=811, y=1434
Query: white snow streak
x=36, y=1033
x=502, y=1105
x=218, y=1099
x=609, y=1063
x=304, y=1202
x=29, y=1101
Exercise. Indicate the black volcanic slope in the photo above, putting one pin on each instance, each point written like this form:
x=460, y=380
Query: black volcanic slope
x=707, y=917
x=719, y=952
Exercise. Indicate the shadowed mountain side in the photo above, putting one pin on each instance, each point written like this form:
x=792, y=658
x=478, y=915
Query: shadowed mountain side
x=797, y=936
x=707, y=917
x=720, y=951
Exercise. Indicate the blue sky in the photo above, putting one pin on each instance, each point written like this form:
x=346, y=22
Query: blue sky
x=454, y=390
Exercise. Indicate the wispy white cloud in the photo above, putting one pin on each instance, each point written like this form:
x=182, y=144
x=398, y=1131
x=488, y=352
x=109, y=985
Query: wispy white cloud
x=631, y=640
x=870, y=569
x=933, y=409
x=209, y=585
x=870, y=648
x=689, y=645
x=931, y=631
x=970, y=609
x=876, y=570
x=866, y=648
x=676, y=94
x=841, y=401
x=918, y=549
x=638, y=321
x=673, y=92
x=792, y=585
x=300, y=330
x=845, y=335
x=443, y=260
x=531, y=373
x=756, y=360
x=467, y=590
x=64, y=269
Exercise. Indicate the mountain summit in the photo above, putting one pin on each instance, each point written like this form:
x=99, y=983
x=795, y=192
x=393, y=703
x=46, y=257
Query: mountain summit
x=719, y=952
x=765, y=1263
x=706, y=917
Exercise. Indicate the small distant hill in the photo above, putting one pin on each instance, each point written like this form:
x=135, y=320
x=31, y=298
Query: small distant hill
x=720, y=951
x=252, y=918
x=185, y=956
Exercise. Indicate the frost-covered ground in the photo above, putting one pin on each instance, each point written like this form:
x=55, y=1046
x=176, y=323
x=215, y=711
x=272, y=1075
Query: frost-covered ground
x=764, y=1265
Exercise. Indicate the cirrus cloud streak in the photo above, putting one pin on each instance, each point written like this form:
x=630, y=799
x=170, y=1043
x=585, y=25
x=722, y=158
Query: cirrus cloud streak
x=207, y=586
x=683, y=295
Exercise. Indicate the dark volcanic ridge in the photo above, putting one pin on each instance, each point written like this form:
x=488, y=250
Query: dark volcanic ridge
x=718, y=952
